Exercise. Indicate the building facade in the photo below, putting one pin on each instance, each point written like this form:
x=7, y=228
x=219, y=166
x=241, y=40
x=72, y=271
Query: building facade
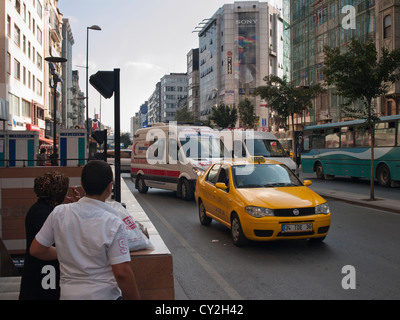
x=193, y=98
x=30, y=31
x=239, y=45
x=173, y=87
x=154, y=105
x=24, y=78
x=67, y=112
x=315, y=24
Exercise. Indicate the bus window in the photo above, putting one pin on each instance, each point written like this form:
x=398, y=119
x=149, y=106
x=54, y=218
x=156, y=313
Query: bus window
x=398, y=133
x=362, y=137
x=385, y=135
x=318, y=139
x=347, y=137
x=332, y=138
x=306, y=143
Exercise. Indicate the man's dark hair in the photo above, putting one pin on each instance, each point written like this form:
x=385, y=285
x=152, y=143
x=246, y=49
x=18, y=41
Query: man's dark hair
x=96, y=176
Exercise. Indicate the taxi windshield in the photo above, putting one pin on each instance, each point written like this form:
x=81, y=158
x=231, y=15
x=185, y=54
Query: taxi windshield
x=264, y=176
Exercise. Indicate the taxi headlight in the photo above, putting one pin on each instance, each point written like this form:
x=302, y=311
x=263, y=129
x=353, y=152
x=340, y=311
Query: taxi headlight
x=322, y=209
x=199, y=172
x=259, y=212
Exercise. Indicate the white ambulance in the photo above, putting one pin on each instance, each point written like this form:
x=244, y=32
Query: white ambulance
x=171, y=157
x=247, y=143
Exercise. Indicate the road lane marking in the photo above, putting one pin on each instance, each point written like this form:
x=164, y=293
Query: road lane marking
x=231, y=292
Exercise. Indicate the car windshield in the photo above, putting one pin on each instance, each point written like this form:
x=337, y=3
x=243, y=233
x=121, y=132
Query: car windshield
x=265, y=147
x=264, y=176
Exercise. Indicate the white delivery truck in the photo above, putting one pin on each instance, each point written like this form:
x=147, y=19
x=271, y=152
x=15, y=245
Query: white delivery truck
x=247, y=143
x=172, y=156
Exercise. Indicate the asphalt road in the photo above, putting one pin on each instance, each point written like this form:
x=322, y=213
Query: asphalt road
x=208, y=266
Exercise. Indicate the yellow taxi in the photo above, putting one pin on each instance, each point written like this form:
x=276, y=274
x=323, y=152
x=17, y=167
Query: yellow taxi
x=261, y=200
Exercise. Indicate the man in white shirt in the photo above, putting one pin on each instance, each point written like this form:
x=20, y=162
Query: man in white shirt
x=91, y=242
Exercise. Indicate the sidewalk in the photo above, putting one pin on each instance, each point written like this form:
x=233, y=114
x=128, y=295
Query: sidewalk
x=390, y=205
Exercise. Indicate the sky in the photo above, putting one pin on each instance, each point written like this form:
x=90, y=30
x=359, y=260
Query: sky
x=145, y=39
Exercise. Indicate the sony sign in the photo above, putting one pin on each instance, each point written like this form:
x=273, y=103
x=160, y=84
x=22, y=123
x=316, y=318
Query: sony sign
x=247, y=21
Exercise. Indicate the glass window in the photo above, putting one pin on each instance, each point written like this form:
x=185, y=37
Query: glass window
x=362, y=137
x=398, y=133
x=212, y=174
x=387, y=27
x=347, y=137
x=17, y=35
x=318, y=139
x=332, y=139
x=14, y=104
x=263, y=175
x=17, y=69
x=266, y=148
x=385, y=134
x=26, y=108
x=8, y=26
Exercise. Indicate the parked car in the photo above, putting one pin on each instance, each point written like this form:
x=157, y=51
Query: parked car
x=261, y=201
x=125, y=159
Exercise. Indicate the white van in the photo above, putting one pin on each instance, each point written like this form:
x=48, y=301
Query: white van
x=172, y=156
x=247, y=143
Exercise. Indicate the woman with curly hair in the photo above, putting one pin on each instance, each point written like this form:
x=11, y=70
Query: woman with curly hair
x=51, y=190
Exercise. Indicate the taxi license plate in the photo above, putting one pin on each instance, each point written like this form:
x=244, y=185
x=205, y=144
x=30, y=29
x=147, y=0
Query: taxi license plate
x=298, y=227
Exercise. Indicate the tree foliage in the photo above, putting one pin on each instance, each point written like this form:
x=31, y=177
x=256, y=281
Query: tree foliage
x=286, y=98
x=224, y=116
x=247, y=114
x=183, y=114
x=359, y=74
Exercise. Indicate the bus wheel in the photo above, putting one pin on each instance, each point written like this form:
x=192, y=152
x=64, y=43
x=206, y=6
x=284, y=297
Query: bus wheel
x=383, y=176
x=141, y=185
x=319, y=171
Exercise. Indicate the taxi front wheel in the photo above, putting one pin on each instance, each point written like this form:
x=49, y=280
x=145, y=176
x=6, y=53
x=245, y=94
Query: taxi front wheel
x=239, y=239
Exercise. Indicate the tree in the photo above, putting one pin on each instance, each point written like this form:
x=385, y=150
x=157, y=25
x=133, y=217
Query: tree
x=183, y=115
x=247, y=114
x=224, y=116
x=360, y=76
x=287, y=99
x=125, y=139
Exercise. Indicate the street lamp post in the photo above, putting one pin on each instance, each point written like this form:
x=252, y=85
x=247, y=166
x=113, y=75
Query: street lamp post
x=56, y=79
x=94, y=27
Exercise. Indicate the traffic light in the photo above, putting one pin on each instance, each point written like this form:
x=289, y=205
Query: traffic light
x=100, y=136
x=103, y=82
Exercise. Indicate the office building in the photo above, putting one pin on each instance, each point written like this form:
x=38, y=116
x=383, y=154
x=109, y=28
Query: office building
x=333, y=23
x=238, y=46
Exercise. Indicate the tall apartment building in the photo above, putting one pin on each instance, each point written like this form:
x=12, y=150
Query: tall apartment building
x=173, y=87
x=67, y=112
x=315, y=24
x=193, y=98
x=30, y=32
x=239, y=45
x=22, y=50
x=154, y=105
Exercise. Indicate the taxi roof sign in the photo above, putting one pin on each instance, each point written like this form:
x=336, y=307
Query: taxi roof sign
x=257, y=159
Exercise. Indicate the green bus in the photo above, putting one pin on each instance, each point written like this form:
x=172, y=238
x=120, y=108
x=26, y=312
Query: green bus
x=344, y=149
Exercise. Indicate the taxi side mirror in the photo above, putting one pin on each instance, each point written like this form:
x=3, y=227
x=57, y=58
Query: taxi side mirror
x=221, y=185
x=307, y=183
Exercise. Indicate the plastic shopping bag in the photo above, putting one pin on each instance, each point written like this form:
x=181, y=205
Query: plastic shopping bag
x=138, y=238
